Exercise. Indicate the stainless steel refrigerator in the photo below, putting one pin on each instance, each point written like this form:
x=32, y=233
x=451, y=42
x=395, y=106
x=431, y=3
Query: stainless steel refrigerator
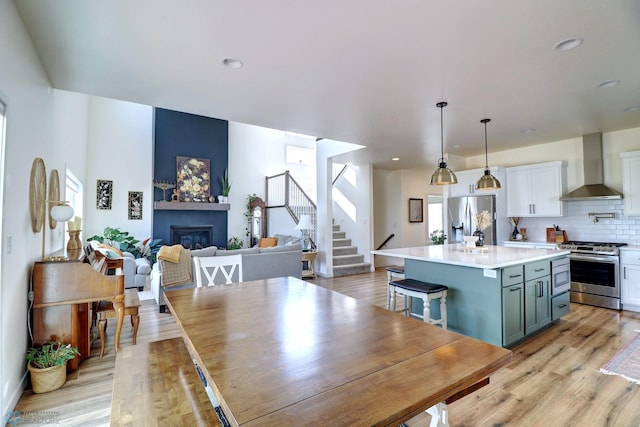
x=461, y=212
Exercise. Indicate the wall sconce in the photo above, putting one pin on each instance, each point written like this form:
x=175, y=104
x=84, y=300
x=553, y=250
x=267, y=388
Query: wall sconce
x=60, y=211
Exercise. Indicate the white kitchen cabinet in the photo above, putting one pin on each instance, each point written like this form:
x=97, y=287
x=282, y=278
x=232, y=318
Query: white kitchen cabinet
x=631, y=182
x=630, y=279
x=467, y=180
x=535, y=190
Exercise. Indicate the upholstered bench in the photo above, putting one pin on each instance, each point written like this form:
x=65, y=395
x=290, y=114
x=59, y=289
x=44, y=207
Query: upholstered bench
x=426, y=292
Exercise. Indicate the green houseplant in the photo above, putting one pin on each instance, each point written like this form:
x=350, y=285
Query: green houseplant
x=235, y=243
x=48, y=365
x=225, y=186
x=438, y=237
x=118, y=239
x=128, y=243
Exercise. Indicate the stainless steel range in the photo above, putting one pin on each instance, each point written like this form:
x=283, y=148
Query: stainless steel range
x=595, y=275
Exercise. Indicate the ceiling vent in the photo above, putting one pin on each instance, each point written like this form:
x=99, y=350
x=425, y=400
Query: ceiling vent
x=593, y=187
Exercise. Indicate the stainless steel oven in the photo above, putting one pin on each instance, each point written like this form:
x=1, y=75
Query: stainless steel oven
x=595, y=273
x=560, y=277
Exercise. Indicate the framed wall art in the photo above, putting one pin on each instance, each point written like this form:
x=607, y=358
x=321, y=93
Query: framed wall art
x=415, y=210
x=135, y=205
x=104, y=194
x=193, y=179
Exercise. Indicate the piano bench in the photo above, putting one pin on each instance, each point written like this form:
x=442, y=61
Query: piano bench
x=174, y=394
x=105, y=311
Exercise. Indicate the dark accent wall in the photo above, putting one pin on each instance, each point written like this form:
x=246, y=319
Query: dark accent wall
x=183, y=134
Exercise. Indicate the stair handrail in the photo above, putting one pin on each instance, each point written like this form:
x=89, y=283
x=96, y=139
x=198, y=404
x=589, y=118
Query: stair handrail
x=342, y=171
x=283, y=191
x=391, y=236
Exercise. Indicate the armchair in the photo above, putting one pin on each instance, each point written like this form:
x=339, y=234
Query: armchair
x=136, y=271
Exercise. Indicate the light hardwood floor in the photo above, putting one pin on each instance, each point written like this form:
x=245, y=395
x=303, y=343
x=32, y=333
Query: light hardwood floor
x=553, y=380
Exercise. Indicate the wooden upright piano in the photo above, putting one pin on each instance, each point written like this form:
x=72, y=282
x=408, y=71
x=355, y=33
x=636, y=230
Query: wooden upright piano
x=62, y=293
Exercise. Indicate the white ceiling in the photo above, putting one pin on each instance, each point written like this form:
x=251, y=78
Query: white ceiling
x=360, y=71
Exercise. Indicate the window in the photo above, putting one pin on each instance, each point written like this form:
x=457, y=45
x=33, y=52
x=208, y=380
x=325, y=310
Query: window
x=300, y=155
x=434, y=214
x=74, y=192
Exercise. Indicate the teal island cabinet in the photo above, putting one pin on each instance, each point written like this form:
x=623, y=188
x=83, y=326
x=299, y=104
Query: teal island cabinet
x=497, y=294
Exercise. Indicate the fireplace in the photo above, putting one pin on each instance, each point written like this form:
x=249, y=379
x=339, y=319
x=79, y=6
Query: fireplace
x=192, y=236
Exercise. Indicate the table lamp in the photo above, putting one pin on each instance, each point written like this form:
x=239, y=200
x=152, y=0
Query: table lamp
x=304, y=224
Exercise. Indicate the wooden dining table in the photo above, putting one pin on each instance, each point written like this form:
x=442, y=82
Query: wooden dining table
x=283, y=351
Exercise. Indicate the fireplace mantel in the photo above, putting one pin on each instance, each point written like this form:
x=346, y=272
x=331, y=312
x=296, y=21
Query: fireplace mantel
x=186, y=206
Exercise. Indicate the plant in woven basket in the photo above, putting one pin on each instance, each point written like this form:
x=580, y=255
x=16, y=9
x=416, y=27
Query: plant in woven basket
x=48, y=365
x=51, y=354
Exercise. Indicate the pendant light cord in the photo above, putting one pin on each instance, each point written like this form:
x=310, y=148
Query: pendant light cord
x=441, y=105
x=486, y=147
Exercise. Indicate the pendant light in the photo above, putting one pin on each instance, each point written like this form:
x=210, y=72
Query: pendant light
x=487, y=181
x=443, y=175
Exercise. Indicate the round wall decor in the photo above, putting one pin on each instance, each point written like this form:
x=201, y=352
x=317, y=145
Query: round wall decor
x=37, y=194
x=54, y=194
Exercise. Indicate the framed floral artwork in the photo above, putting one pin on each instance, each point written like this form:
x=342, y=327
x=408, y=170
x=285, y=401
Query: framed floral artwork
x=193, y=179
x=415, y=210
x=104, y=194
x=135, y=205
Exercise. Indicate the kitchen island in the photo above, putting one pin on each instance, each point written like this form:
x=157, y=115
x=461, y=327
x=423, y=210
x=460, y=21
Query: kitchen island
x=497, y=294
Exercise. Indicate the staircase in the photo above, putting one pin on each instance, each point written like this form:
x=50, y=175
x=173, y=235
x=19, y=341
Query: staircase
x=346, y=259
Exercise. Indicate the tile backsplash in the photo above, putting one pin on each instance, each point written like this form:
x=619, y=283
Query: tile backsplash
x=580, y=226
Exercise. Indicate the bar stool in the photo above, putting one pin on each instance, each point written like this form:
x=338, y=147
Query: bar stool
x=394, y=271
x=425, y=291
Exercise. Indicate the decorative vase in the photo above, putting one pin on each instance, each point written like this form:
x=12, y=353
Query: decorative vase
x=74, y=242
x=480, y=235
x=47, y=379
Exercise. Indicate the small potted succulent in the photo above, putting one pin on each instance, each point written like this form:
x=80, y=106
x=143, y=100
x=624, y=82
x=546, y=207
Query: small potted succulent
x=225, y=187
x=48, y=365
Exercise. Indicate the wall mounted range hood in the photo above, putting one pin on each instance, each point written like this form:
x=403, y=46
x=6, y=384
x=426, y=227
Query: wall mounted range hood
x=593, y=187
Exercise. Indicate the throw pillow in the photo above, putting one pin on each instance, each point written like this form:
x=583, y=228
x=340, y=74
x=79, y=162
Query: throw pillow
x=110, y=248
x=267, y=242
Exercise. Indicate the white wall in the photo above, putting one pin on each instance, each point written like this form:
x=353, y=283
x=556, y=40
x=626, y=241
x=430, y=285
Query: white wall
x=356, y=186
x=121, y=150
x=255, y=153
x=41, y=122
x=393, y=189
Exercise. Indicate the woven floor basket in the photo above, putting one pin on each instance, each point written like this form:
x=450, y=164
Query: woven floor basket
x=47, y=379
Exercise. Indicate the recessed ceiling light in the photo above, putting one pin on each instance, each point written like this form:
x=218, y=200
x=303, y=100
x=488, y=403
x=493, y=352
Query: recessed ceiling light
x=609, y=83
x=395, y=159
x=528, y=130
x=633, y=108
x=568, y=44
x=456, y=146
x=232, y=63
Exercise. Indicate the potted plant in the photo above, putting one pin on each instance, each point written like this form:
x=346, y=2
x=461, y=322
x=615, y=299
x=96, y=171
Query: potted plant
x=225, y=187
x=438, y=237
x=118, y=239
x=235, y=243
x=48, y=365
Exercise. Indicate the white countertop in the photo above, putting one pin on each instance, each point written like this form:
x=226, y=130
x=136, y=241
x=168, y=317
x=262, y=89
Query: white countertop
x=490, y=258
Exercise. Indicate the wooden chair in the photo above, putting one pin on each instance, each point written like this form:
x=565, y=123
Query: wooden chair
x=209, y=267
x=105, y=310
